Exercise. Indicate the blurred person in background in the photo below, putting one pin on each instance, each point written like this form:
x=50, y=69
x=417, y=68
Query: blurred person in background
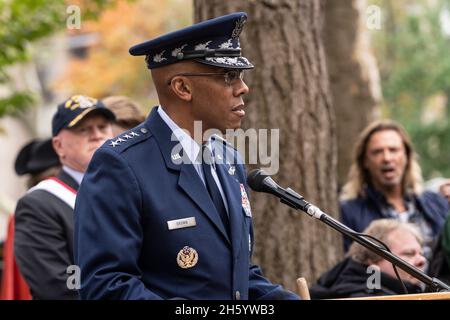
x=39, y=161
x=439, y=185
x=128, y=113
x=352, y=276
x=440, y=261
x=444, y=189
x=385, y=181
x=43, y=239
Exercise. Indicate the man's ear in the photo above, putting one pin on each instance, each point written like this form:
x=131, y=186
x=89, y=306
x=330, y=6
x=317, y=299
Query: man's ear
x=56, y=142
x=182, y=87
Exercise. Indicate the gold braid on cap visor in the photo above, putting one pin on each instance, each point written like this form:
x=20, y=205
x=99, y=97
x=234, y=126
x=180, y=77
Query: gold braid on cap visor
x=79, y=117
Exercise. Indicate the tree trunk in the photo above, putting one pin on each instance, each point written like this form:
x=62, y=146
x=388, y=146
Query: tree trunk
x=353, y=72
x=289, y=91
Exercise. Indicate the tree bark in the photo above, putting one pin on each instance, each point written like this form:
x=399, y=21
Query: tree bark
x=354, y=78
x=289, y=91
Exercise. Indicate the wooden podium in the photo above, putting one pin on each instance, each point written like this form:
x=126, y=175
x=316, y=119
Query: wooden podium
x=420, y=296
x=303, y=292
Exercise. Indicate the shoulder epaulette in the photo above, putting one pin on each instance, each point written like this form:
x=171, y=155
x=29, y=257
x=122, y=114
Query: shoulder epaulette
x=129, y=138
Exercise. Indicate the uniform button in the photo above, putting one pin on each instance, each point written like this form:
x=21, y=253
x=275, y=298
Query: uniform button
x=237, y=295
x=143, y=130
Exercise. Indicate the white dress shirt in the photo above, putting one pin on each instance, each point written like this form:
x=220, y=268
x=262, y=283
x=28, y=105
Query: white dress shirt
x=192, y=150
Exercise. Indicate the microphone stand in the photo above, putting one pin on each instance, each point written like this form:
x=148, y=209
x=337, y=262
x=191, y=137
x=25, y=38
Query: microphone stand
x=296, y=201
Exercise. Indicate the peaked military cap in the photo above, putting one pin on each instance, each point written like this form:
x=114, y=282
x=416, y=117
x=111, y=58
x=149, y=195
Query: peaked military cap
x=74, y=109
x=213, y=42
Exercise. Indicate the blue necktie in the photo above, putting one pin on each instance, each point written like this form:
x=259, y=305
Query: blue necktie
x=212, y=188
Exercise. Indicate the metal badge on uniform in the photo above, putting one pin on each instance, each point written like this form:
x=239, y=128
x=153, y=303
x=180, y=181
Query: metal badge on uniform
x=181, y=223
x=232, y=170
x=245, y=202
x=176, y=157
x=187, y=257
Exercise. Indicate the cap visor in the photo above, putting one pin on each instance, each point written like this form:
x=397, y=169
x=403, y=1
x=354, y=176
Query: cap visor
x=103, y=111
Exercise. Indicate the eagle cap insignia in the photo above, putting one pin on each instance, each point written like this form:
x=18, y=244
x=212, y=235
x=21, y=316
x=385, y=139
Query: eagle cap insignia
x=187, y=257
x=238, y=28
x=159, y=57
x=80, y=101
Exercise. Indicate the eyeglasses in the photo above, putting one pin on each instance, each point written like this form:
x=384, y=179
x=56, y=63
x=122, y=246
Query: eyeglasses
x=230, y=76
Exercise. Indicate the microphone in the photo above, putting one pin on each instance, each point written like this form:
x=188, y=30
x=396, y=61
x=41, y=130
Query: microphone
x=260, y=181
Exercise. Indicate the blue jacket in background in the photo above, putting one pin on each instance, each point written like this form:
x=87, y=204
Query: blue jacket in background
x=359, y=212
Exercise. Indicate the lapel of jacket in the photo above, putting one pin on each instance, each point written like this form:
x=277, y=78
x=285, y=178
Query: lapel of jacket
x=231, y=188
x=189, y=180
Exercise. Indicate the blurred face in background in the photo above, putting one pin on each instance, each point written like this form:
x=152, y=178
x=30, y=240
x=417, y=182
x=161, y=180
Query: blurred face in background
x=445, y=190
x=405, y=245
x=386, y=160
x=76, y=146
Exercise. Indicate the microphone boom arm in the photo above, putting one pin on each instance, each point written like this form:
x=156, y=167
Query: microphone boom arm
x=299, y=203
x=261, y=182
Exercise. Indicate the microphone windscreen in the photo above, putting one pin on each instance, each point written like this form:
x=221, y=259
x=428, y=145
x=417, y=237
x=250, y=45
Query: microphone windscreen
x=255, y=180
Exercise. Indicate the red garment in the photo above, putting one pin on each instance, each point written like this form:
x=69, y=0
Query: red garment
x=13, y=285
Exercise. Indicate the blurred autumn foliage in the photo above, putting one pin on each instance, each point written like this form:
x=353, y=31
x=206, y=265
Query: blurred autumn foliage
x=23, y=24
x=412, y=51
x=108, y=68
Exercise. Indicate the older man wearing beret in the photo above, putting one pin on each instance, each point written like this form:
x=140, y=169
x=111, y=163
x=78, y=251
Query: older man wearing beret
x=160, y=214
x=43, y=239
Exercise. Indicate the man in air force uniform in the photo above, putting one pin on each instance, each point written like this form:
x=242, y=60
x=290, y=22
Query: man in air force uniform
x=160, y=215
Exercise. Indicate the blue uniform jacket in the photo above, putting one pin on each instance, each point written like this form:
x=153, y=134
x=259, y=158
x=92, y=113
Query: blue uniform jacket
x=359, y=212
x=123, y=245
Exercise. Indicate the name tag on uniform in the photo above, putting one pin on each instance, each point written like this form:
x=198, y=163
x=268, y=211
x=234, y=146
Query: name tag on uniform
x=181, y=223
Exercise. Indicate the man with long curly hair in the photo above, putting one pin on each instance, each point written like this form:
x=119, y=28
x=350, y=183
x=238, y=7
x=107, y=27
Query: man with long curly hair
x=385, y=181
